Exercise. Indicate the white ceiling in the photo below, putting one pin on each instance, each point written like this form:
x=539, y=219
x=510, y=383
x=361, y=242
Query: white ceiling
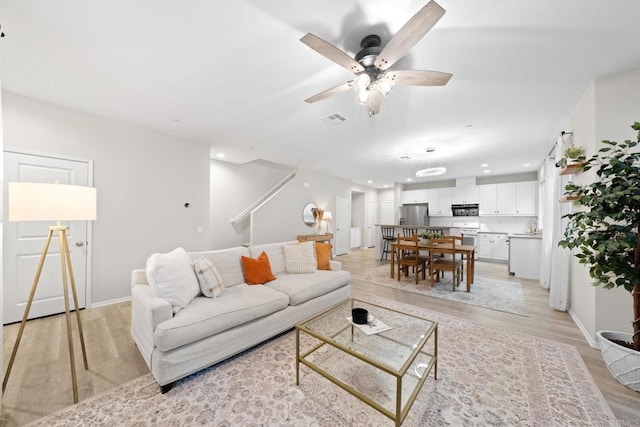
x=234, y=75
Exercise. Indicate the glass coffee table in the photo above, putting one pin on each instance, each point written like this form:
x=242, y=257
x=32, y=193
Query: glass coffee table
x=386, y=370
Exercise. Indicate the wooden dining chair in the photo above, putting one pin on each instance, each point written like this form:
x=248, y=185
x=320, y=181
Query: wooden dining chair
x=409, y=256
x=459, y=239
x=447, y=261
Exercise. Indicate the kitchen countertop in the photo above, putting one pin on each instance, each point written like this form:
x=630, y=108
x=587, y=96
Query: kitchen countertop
x=526, y=235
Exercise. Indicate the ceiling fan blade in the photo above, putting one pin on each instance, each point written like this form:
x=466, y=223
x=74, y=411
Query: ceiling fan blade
x=332, y=53
x=409, y=34
x=329, y=92
x=373, y=105
x=418, y=77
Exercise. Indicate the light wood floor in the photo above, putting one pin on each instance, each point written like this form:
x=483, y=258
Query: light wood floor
x=40, y=382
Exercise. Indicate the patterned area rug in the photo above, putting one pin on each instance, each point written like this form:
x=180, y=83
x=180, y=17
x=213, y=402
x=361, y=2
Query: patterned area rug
x=488, y=293
x=485, y=377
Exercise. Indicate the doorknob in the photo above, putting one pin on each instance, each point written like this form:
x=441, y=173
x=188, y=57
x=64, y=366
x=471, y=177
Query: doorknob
x=79, y=244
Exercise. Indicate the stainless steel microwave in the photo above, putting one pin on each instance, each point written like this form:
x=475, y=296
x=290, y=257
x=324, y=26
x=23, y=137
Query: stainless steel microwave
x=470, y=209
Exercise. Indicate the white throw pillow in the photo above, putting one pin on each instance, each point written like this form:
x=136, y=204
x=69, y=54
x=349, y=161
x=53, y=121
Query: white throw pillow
x=208, y=277
x=173, y=278
x=300, y=257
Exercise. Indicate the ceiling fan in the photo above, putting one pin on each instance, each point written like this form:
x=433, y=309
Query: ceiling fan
x=373, y=79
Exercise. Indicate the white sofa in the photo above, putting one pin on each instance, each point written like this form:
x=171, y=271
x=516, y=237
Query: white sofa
x=209, y=330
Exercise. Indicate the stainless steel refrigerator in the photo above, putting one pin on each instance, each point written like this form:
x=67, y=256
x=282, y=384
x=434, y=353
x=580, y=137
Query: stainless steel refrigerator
x=414, y=214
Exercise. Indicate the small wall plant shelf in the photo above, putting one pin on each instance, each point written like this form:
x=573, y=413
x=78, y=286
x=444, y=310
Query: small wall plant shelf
x=568, y=199
x=572, y=168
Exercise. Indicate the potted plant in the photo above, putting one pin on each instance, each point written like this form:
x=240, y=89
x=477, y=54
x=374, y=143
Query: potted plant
x=606, y=236
x=573, y=154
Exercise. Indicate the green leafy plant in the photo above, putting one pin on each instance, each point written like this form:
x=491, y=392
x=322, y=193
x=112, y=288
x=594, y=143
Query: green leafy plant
x=575, y=152
x=606, y=233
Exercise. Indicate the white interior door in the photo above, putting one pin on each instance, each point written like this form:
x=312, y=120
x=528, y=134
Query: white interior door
x=342, y=226
x=24, y=241
x=372, y=217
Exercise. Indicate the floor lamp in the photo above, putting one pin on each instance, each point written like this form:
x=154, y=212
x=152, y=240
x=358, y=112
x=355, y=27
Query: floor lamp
x=53, y=202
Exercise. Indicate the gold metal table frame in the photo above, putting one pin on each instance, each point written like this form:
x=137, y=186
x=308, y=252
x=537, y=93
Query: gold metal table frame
x=413, y=351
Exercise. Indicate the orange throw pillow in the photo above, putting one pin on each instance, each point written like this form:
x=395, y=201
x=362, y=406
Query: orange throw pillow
x=257, y=271
x=323, y=255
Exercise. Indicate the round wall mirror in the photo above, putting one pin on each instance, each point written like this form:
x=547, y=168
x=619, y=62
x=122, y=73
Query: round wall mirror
x=308, y=216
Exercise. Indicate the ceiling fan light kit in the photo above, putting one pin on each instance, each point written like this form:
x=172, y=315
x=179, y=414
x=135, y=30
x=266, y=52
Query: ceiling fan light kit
x=371, y=63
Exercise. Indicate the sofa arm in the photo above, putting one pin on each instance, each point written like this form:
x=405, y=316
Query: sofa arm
x=147, y=312
x=335, y=265
x=139, y=277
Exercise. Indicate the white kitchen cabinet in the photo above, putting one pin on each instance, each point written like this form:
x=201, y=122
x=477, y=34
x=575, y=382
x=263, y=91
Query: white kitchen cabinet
x=526, y=197
x=510, y=198
x=440, y=200
x=465, y=194
x=415, y=196
x=493, y=246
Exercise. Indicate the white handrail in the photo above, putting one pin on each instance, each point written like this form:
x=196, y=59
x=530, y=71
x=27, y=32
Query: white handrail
x=266, y=196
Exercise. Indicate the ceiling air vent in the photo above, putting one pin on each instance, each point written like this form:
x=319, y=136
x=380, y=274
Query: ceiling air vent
x=334, y=119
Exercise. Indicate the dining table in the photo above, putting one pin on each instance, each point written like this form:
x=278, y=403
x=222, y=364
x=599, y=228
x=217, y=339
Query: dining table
x=467, y=251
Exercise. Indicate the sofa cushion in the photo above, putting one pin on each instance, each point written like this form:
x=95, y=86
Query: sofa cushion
x=205, y=317
x=257, y=271
x=172, y=277
x=300, y=257
x=227, y=262
x=274, y=252
x=323, y=255
x=303, y=287
x=208, y=277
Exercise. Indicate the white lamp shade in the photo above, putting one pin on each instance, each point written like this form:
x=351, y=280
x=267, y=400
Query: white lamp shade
x=30, y=201
x=327, y=216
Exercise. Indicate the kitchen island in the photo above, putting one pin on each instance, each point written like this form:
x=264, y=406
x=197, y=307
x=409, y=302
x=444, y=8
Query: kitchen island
x=397, y=229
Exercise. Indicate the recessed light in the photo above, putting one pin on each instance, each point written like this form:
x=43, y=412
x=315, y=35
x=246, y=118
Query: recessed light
x=526, y=165
x=487, y=171
x=409, y=179
x=220, y=155
x=386, y=186
x=484, y=165
x=369, y=182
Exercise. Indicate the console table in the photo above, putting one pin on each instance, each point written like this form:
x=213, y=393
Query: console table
x=326, y=237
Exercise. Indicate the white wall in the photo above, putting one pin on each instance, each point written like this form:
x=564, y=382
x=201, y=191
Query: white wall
x=234, y=187
x=607, y=109
x=617, y=108
x=1, y=233
x=143, y=179
x=582, y=296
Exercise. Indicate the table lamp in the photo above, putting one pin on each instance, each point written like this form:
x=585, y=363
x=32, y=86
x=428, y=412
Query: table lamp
x=326, y=218
x=53, y=202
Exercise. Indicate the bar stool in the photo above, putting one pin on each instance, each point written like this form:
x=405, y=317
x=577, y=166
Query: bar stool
x=387, y=239
x=408, y=232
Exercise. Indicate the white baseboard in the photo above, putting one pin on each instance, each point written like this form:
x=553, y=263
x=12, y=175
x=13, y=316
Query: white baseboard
x=592, y=343
x=113, y=301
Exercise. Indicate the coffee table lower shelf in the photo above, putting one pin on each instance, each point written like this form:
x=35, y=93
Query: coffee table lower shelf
x=355, y=362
